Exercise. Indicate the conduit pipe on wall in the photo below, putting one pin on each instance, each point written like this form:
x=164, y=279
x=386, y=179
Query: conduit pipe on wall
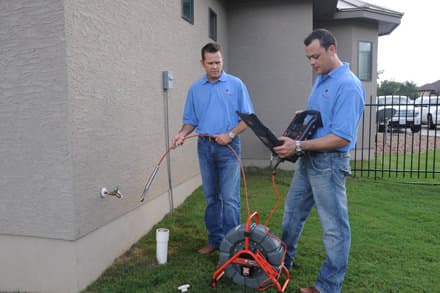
x=167, y=79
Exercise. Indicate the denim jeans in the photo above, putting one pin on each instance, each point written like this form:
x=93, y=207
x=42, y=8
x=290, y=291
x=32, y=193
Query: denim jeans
x=220, y=170
x=320, y=180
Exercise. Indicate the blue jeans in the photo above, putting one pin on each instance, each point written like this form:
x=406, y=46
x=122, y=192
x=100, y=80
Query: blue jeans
x=320, y=180
x=220, y=170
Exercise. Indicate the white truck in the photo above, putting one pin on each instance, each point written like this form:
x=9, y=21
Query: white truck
x=429, y=107
x=397, y=112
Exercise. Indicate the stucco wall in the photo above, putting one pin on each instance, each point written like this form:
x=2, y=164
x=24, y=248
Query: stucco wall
x=116, y=54
x=82, y=107
x=267, y=53
x=36, y=170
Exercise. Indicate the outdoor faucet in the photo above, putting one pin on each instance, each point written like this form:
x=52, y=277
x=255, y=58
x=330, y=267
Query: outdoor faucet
x=115, y=192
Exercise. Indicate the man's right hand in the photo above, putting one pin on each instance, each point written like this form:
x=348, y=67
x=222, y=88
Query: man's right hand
x=287, y=149
x=178, y=139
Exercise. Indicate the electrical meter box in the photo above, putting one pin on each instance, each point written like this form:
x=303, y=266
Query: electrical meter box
x=167, y=78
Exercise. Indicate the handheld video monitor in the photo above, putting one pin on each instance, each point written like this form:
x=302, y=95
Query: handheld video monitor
x=297, y=130
x=260, y=130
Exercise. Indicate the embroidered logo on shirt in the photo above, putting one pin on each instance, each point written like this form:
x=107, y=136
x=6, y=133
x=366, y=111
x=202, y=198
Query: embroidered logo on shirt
x=227, y=92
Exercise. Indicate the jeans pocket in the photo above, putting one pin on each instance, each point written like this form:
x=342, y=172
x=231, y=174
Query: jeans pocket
x=344, y=166
x=321, y=164
x=342, y=169
x=345, y=170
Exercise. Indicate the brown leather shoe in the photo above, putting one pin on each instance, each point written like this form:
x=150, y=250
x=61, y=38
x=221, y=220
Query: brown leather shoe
x=206, y=249
x=308, y=290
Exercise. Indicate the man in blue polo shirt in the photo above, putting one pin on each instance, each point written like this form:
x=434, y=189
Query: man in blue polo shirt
x=320, y=173
x=210, y=109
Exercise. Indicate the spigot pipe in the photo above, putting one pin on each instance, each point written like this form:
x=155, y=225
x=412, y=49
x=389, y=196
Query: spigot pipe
x=149, y=182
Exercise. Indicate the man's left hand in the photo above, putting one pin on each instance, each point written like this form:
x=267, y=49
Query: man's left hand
x=223, y=139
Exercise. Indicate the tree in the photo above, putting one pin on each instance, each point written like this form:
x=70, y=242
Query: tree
x=387, y=87
x=409, y=89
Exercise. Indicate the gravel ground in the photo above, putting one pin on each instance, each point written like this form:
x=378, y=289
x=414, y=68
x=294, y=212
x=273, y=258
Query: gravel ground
x=403, y=142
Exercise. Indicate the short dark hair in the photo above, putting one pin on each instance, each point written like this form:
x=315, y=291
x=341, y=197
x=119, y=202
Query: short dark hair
x=325, y=37
x=210, y=48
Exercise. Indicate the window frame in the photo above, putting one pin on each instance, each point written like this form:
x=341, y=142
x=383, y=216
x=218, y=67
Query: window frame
x=213, y=24
x=189, y=18
x=363, y=74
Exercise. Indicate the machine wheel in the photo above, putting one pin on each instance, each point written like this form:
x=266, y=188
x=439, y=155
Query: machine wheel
x=415, y=128
x=431, y=123
x=381, y=128
x=259, y=240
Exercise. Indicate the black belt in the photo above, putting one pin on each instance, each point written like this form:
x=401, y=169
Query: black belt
x=318, y=153
x=208, y=138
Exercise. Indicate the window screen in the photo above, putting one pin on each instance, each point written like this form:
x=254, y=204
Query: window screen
x=212, y=25
x=188, y=10
x=365, y=60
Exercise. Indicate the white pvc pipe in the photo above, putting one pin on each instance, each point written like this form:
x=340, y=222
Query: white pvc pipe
x=162, y=236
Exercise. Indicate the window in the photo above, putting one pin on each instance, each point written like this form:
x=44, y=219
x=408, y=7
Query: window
x=188, y=10
x=365, y=60
x=212, y=25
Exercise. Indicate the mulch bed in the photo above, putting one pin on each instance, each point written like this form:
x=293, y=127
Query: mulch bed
x=402, y=142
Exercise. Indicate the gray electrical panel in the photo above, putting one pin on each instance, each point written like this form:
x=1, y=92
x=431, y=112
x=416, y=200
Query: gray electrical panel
x=167, y=78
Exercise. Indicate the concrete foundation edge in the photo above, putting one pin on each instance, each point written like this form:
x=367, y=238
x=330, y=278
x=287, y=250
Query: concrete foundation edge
x=49, y=265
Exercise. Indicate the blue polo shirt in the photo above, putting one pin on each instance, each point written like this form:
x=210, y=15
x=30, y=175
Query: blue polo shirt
x=340, y=97
x=211, y=107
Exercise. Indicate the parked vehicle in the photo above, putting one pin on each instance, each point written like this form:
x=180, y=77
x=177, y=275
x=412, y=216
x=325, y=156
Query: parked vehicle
x=429, y=108
x=397, y=112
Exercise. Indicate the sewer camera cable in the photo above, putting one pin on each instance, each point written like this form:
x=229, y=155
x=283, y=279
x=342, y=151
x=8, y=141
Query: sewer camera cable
x=274, y=185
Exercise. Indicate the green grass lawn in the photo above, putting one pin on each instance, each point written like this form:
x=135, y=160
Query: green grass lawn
x=424, y=167
x=395, y=242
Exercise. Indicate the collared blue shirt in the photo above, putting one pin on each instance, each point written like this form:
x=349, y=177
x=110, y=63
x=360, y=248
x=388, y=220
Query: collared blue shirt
x=211, y=107
x=340, y=97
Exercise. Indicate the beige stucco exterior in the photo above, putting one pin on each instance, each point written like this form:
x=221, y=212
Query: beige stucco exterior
x=82, y=107
x=269, y=56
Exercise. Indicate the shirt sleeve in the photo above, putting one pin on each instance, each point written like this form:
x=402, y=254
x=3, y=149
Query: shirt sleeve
x=346, y=112
x=245, y=105
x=189, y=112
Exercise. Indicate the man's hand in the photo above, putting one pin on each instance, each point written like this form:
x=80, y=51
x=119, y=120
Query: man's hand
x=287, y=149
x=178, y=139
x=223, y=139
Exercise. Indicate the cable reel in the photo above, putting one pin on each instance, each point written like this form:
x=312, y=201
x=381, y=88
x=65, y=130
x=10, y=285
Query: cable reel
x=249, y=274
x=251, y=256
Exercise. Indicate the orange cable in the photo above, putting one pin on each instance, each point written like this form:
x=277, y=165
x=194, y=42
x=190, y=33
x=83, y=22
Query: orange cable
x=245, y=188
x=278, y=202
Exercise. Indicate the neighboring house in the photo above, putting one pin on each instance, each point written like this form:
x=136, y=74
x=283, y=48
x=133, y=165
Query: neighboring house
x=429, y=89
x=82, y=108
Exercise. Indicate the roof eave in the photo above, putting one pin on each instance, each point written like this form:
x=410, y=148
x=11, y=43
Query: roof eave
x=387, y=20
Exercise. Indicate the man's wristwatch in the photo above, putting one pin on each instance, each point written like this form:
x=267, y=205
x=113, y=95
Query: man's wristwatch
x=231, y=135
x=298, y=148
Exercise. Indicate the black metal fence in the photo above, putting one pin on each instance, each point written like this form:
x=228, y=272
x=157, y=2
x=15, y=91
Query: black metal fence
x=399, y=137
